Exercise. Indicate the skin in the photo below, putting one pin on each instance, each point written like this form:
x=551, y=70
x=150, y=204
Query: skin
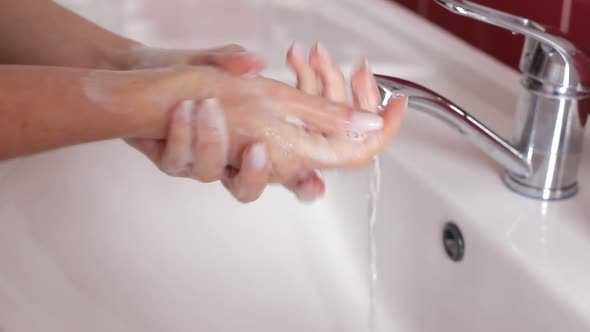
x=50, y=98
x=321, y=76
x=301, y=179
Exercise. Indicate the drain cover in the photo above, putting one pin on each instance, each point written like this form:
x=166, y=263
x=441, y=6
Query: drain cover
x=453, y=241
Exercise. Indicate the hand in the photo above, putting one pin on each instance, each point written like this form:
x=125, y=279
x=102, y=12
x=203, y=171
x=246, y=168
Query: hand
x=233, y=59
x=318, y=133
x=320, y=68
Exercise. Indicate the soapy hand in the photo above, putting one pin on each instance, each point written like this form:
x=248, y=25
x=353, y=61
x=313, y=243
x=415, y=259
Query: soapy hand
x=192, y=112
x=321, y=76
x=270, y=131
x=247, y=184
x=233, y=59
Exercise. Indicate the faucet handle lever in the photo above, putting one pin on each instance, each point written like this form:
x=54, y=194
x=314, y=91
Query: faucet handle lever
x=554, y=62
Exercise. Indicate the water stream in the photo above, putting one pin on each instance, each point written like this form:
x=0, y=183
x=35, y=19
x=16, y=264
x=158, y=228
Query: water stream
x=373, y=199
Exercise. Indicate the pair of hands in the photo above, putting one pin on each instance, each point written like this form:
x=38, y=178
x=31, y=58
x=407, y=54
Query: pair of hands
x=226, y=123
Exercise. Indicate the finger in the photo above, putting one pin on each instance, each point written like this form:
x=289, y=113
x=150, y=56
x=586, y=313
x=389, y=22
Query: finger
x=306, y=76
x=354, y=151
x=317, y=112
x=207, y=56
x=229, y=48
x=333, y=83
x=232, y=58
x=307, y=189
x=314, y=112
x=210, y=142
x=365, y=92
x=177, y=154
x=341, y=120
x=249, y=183
x=241, y=63
x=151, y=148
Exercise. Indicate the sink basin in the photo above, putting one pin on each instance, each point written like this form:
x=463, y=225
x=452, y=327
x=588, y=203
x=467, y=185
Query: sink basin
x=95, y=238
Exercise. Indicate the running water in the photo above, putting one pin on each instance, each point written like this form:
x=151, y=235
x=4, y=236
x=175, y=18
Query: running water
x=373, y=198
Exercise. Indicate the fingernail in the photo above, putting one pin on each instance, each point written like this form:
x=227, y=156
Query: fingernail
x=365, y=121
x=373, y=95
x=366, y=65
x=296, y=51
x=185, y=111
x=307, y=192
x=319, y=174
x=242, y=193
x=210, y=114
x=406, y=101
x=322, y=51
x=258, y=157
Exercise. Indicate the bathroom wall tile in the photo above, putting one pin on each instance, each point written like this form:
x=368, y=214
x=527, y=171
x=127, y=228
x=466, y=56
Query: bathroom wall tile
x=579, y=23
x=419, y=6
x=411, y=4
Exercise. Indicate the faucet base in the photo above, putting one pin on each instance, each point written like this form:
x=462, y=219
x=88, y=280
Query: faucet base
x=545, y=194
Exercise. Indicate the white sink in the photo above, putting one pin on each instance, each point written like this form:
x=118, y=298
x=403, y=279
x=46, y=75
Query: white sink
x=94, y=238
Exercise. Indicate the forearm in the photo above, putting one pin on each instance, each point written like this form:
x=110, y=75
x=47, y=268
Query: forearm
x=43, y=108
x=40, y=32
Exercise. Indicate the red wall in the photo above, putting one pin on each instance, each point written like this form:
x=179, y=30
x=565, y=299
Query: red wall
x=569, y=16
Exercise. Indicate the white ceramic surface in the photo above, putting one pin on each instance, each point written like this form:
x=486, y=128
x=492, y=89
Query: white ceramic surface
x=94, y=238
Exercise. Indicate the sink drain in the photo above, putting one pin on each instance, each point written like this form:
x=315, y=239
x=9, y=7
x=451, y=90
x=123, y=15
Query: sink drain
x=453, y=241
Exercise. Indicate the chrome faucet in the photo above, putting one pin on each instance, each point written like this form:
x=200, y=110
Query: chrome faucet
x=543, y=160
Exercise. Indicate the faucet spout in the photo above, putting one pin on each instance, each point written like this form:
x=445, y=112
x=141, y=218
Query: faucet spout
x=425, y=100
x=552, y=110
